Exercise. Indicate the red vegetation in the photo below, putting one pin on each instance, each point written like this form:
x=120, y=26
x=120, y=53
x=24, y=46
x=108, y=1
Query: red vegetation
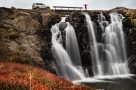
x=23, y=77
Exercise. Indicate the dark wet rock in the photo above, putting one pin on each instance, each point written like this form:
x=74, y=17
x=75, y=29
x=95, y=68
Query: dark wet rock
x=76, y=19
x=132, y=64
x=62, y=26
x=131, y=41
x=53, y=20
x=86, y=57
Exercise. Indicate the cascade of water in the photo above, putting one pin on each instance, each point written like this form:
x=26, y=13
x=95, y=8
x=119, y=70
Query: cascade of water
x=114, y=53
x=97, y=66
x=111, y=60
x=64, y=65
x=102, y=21
x=72, y=45
x=115, y=46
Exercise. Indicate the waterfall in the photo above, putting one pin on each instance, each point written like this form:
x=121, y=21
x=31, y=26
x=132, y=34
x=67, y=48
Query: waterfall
x=109, y=55
x=114, y=60
x=97, y=66
x=64, y=65
x=115, y=48
x=102, y=21
x=72, y=45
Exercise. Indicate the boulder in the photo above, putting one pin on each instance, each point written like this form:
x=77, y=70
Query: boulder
x=62, y=26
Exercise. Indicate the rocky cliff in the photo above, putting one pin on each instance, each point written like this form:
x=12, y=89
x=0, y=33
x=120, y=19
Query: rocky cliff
x=25, y=36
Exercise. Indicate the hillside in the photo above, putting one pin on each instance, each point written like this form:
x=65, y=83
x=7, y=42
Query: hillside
x=24, y=77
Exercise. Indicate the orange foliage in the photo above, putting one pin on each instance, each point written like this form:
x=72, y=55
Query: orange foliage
x=23, y=77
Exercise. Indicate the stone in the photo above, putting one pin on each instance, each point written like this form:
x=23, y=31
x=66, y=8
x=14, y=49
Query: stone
x=62, y=26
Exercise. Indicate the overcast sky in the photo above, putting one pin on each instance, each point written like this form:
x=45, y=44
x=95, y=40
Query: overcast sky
x=92, y=4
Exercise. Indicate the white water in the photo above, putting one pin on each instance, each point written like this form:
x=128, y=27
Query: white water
x=115, y=48
x=104, y=78
x=115, y=61
x=97, y=66
x=63, y=19
x=111, y=62
x=72, y=45
x=64, y=65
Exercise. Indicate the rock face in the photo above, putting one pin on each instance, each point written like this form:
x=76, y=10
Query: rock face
x=25, y=36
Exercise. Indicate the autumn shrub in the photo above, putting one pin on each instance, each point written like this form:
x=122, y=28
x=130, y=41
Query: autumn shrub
x=23, y=77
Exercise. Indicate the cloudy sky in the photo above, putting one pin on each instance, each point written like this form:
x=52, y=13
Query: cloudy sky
x=92, y=4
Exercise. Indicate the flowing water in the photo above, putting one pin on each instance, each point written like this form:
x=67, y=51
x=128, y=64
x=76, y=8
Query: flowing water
x=64, y=65
x=114, y=61
x=111, y=59
x=114, y=47
x=72, y=45
x=97, y=66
